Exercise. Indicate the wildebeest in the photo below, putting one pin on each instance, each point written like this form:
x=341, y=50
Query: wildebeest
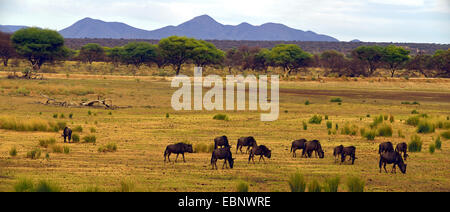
x=261, y=150
x=402, y=148
x=350, y=151
x=222, y=154
x=249, y=142
x=392, y=158
x=221, y=141
x=296, y=145
x=386, y=147
x=311, y=146
x=337, y=152
x=67, y=133
x=178, y=149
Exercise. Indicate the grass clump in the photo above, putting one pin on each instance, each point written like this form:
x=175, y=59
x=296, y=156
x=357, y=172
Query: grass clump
x=349, y=129
x=314, y=186
x=332, y=184
x=66, y=149
x=46, y=186
x=126, y=186
x=34, y=154
x=413, y=121
x=385, y=130
x=222, y=117
x=111, y=147
x=46, y=142
x=75, y=138
x=78, y=128
x=339, y=100
x=316, y=119
x=416, y=144
x=432, y=148
x=425, y=126
x=438, y=143
x=297, y=183
x=305, y=125
x=13, y=151
x=446, y=134
x=90, y=139
x=203, y=148
x=354, y=184
x=242, y=187
x=329, y=124
x=369, y=134
x=24, y=185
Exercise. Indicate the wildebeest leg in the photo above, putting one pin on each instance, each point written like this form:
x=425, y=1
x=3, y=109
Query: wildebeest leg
x=293, y=153
x=168, y=156
x=64, y=139
x=353, y=159
x=380, y=164
x=385, y=167
x=177, y=157
x=394, y=169
x=183, y=158
x=249, y=157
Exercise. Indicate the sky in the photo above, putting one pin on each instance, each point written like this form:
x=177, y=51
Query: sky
x=419, y=21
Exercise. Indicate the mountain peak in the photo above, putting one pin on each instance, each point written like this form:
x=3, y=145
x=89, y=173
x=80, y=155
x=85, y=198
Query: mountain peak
x=202, y=20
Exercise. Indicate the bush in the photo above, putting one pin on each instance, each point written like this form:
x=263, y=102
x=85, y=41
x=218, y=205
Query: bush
x=71, y=115
x=432, y=148
x=349, y=129
x=385, y=131
x=78, y=128
x=93, y=130
x=415, y=145
x=13, y=151
x=425, y=127
x=446, y=134
x=297, y=183
x=62, y=116
x=316, y=119
x=90, y=139
x=46, y=142
x=307, y=102
x=24, y=185
x=413, y=121
x=370, y=135
x=355, y=184
x=75, y=138
x=414, y=112
x=223, y=117
x=438, y=143
x=111, y=147
x=336, y=100
x=314, y=186
x=57, y=149
x=34, y=154
x=332, y=184
x=46, y=186
x=242, y=187
x=376, y=121
x=167, y=115
x=66, y=149
x=329, y=125
x=305, y=125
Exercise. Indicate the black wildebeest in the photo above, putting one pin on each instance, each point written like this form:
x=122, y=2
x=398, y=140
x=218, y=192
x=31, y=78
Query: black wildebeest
x=67, y=134
x=337, y=152
x=350, y=151
x=249, y=142
x=261, y=150
x=296, y=145
x=402, y=148
x=221, y=141
x=311, y=146
x=386, y=147
x=178, y=149
x=392, y=158
x=222, y=154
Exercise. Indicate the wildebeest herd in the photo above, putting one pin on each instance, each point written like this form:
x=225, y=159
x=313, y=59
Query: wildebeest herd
x=222, y=151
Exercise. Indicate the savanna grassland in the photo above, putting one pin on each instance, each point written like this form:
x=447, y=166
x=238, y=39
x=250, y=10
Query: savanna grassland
x=147, y=124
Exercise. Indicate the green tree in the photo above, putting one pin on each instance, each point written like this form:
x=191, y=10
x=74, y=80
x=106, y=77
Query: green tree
x=371, y=56
x=262, y=60
x=91, y=52
x=441, y=60
x=39, y=46
x=113, y=55
x=6, y=48
x=138, y=53
x=394, y=57
x=423, y=63
x=289, y=57
x=177, y=51
x=206, y=53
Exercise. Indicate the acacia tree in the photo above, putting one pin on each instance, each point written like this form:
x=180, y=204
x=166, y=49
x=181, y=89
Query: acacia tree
x=232, y=59
x=289, y=57
x=441, y=60
x=177, y=51
x=394, y=57
x=39, y=46
x=334, y=61
x=261, y=60
x=113, y=55
x=423, y=63
x=370, y=55
x=138, y=53
x=6, y=48
x=91, y=52
x=206, y=53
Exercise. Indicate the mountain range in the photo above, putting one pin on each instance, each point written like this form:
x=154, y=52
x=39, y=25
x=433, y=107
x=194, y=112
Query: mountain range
x=202, y=27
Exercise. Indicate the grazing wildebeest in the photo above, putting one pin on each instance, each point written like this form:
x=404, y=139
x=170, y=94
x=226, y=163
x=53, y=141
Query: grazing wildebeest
x=392, y=158
x=261, y=150
x=178, y=149
x=313, y=146
x=67, y=133
x=221, y=141
x=402, y=148
x=386, y=147
x=222, y=154
x=350, y=151
x=249, y=142
x=337, y=152
x=296, y=145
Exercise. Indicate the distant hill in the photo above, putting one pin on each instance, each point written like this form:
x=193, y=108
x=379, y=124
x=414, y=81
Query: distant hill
x=10, y=28
x=202, y=27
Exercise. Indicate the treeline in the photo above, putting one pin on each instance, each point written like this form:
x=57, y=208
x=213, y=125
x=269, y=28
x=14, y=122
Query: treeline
x=41, y=46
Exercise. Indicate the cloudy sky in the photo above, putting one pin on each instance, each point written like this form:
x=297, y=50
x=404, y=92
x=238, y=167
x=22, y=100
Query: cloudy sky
x=368, y=20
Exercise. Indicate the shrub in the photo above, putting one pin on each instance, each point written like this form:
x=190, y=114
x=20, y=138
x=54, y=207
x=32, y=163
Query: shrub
x=46, y=142
x=24, y=185
x=413, y=121
x=355, y=184
x=316, y=119
x=297, y=183
x=384, y=131
x=446, y=134
x=438, y=143
x=62, y=116
x=167, y=115
x=90, y=139
x=305, y=125
x=415, y=145
x=370, y=135
x=329, y=125
x=326, y=117
x=242, y=187
x=126, y=186
x=332, y=184
x=57, y=149
x=93, y=130
x=75, y=138
x=55, y=115
x=78, y=128
x=432, y=148
x=71, y=115
x=414, y=112
x=223, y=117
x=13, y=151
x=34, y=154
x=111, y=147
x=376, y=121
x=336, y=100
x=400, y=134
x=425, y=127
x=314, y=186
x=349, y=129
x=307, y=102
x=391, y=118
x=46, y=186
x=66, y=149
